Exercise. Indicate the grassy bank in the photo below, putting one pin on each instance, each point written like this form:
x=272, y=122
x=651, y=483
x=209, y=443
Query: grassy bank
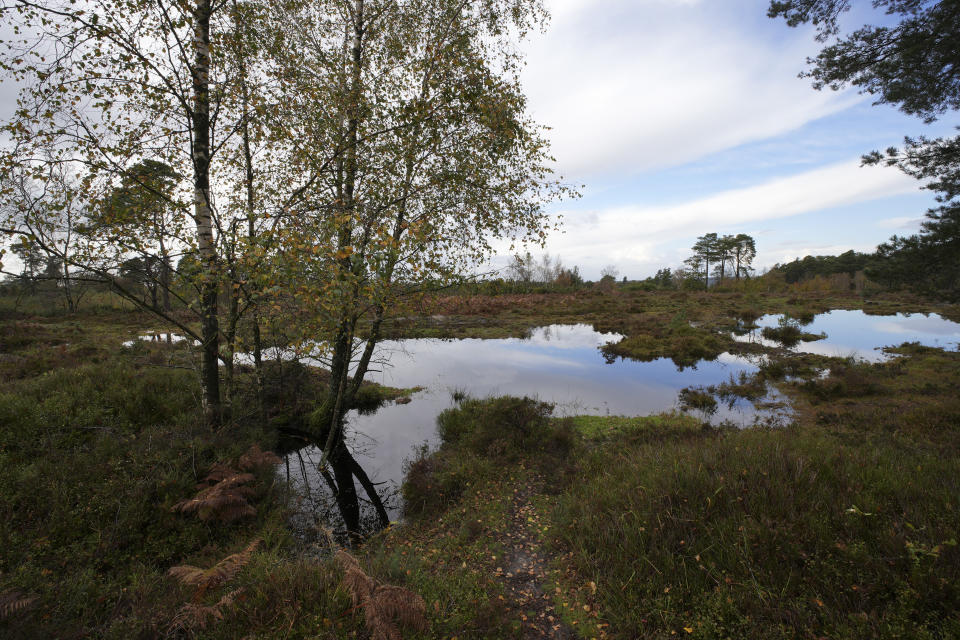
x=520, y=524
x=98, y=444
x=843, y=525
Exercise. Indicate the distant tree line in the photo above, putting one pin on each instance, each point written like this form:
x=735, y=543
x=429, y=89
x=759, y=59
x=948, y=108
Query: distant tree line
x=668, y=279
x=547, y=270
x=849, y=262
x=919, y=263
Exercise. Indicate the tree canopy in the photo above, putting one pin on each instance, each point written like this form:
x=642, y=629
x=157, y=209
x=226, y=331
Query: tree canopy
x=313, y=174
x=735, y=252
x=913, y=64
x=849, y=262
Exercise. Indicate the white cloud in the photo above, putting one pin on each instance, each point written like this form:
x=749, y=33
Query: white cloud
x=911, y=223
x=639, y=239
x=630, y=86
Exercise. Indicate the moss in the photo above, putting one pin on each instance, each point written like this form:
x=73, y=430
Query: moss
x=677, y=340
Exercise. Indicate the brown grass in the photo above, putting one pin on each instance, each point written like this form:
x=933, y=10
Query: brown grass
x=485, y=305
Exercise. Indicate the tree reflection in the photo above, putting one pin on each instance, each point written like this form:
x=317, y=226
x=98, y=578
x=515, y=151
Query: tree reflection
x=338, y=494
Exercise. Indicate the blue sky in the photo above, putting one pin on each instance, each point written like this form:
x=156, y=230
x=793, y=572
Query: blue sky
x=683, y=117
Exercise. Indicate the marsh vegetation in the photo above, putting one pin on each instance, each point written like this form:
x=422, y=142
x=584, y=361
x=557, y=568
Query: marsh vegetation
x=251, y=326
x=842, y=508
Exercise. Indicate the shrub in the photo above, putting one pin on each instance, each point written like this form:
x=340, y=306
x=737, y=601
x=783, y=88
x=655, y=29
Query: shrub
x=478, y=438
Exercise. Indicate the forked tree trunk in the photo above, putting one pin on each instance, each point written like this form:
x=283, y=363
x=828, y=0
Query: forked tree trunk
x=336, y=404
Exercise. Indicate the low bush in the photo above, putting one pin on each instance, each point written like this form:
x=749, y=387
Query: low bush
x=478, y=438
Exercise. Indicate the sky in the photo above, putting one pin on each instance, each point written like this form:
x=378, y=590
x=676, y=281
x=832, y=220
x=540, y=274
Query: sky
x=677, y=118
x=685, y=117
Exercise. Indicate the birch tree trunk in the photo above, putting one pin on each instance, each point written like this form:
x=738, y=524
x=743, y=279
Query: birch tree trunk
x=210, y=330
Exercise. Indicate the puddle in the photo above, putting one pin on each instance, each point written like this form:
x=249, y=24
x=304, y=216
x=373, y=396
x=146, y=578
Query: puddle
x=164, y=338
x=861, y=336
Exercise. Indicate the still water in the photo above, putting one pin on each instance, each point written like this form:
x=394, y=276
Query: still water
x=561, y=364
x=858, y=335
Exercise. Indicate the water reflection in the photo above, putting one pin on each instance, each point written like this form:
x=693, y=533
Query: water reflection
x=856, y=334
x=561, y=364
x=327, y=502
x=160, y=337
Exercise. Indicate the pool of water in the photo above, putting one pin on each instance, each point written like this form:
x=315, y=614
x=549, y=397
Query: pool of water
x=858, y=335
x=161, y=337
x=561, y=364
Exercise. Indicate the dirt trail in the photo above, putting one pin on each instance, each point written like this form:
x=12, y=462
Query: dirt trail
x=524, y=572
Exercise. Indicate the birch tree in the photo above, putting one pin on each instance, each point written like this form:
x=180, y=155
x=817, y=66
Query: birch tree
x=109, y=85
x=405, y=123
x=48, y=215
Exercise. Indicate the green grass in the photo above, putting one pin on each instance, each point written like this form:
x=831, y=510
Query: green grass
x=598, y=427
x=96, y=444
x=843, y=525
x=759, y=533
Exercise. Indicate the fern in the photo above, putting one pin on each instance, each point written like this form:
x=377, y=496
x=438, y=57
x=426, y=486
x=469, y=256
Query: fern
x=254, y=458
x=218, y=471
x=13, y=601
x=195, y=617
x=225, y=501
x=383, y=605
x=222, y=493
x=218, y=574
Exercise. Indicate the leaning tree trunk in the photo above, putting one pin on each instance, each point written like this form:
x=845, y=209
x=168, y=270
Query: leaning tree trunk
x=210, y=330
